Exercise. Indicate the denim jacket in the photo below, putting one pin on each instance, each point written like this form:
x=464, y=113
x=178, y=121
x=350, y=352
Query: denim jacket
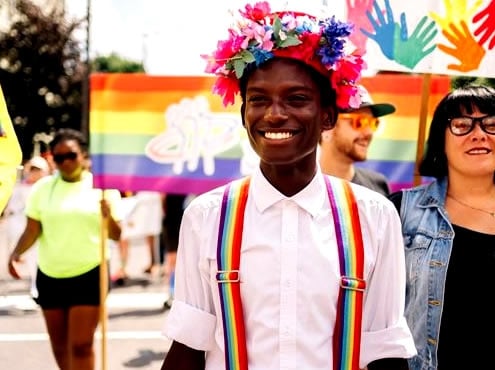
x=428, y=236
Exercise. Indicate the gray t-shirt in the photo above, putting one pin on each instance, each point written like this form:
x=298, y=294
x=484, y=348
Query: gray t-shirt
x=371, y=179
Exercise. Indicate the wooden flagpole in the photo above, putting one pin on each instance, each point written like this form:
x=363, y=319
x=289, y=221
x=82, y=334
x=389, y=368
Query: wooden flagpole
x=103, y=287
x=104, y=220
x=423, y=116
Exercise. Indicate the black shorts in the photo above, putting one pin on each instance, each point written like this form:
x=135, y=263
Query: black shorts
x=81, y=290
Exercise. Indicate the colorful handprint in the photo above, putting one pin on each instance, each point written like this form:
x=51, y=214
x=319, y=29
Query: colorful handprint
x=487, y=28
x=384, y=29
x=409, y=51
x=467, y=50
x=356, y=14
x=455, y=12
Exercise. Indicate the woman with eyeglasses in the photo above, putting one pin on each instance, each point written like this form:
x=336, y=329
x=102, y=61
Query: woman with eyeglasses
x=348, y=142
x=448, y=227
x=64, y=212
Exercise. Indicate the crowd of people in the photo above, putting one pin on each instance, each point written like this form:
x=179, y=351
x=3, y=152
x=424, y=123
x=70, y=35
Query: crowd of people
x=311, y=262
x=264, y=310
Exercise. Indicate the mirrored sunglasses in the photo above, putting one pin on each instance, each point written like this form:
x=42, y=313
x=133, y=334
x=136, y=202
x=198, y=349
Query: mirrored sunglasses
x=460, y=126
x=60, y=158
x=360, y=121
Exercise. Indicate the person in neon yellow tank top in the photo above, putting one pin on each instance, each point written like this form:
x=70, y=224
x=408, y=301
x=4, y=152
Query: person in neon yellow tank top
x=64, y=213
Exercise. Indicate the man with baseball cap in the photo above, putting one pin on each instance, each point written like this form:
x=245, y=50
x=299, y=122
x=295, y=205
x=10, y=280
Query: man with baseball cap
x=349, y=140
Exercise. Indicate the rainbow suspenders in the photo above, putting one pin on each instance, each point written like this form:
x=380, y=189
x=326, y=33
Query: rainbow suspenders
x=347, y=331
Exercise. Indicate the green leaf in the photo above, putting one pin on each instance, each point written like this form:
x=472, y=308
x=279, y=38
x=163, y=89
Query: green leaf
x=289, y=41
x=277, y=26
x=239, y=66
x=247, y=57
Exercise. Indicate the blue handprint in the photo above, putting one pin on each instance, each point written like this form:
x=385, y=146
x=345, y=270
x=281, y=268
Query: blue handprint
x=385, y=29
x=410, y=50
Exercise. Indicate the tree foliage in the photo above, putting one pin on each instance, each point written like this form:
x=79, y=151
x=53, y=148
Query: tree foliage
x=41, y=72
x=114, y=63
x=459, y=81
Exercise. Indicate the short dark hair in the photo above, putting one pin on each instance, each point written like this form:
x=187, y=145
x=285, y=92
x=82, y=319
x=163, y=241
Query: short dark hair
x=64, y=134
x=454, y=104
x=327, y=93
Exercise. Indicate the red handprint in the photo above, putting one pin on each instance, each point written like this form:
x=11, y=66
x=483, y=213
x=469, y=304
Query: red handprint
x=487, y=28
x=356, y=14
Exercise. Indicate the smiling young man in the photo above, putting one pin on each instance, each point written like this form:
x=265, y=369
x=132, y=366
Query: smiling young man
x=259, y=285
x=348, y=142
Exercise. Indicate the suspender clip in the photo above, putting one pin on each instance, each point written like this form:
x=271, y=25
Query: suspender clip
x=228, y=276
x=352, y=283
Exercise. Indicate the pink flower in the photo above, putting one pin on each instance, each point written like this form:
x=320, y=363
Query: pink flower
x=290, y=21
x=257, y=12
x=265, y=41
x=255, y=31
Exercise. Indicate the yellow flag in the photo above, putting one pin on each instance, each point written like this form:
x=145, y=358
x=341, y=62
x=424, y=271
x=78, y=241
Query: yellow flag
x=10, y=154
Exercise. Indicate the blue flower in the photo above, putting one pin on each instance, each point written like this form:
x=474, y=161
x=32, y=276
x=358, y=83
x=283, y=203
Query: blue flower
x=333, y=40
x=261, y=55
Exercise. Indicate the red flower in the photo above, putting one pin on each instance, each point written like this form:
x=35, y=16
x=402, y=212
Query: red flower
x=227, y=87
x=304, y=52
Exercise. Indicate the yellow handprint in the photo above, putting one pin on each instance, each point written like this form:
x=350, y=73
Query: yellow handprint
x=467, y=50
x=456, y=11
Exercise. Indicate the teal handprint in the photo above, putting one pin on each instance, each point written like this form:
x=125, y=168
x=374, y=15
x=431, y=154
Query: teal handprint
x=410, y=50
x=385, y=29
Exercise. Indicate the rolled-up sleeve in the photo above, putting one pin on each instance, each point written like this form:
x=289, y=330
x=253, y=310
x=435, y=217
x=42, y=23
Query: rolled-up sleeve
x=190, y=326
x=191, y=320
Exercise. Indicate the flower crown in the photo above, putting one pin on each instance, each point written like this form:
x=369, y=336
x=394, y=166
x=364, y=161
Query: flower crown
x=261, y=35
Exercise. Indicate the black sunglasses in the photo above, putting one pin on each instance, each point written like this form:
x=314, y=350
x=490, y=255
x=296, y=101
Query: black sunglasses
x=461, y=126
x=60, y=158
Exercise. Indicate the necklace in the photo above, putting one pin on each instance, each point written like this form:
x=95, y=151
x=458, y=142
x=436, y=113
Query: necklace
x=491, y=213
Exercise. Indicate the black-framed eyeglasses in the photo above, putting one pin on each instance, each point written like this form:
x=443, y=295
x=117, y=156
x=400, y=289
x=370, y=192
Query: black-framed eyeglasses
x=460, y=126
x=60, y=158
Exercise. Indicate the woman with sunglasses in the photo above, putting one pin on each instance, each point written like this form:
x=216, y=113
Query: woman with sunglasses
x=448, y=227
x=64, y=213
x=348, y=142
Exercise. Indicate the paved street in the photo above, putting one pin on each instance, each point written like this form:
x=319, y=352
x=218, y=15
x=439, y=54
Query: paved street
x=132, y=339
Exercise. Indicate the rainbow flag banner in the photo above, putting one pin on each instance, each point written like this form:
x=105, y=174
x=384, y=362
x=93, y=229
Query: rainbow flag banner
x=171, y=134
x=394, y=146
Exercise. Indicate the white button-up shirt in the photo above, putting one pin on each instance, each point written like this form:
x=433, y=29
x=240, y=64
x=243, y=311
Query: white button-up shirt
x=290, y=279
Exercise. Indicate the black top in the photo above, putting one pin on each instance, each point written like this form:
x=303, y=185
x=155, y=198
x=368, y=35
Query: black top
x=371, y=179
x=468, y=319
x=467, y=329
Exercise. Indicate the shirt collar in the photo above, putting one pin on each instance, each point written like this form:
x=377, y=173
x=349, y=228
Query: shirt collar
x=311, y=198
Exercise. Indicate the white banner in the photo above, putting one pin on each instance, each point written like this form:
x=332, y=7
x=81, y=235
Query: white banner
x=420, y=36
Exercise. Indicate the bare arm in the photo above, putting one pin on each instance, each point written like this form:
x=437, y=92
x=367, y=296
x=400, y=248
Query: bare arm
x=26, y=241
x=114, y=228
x=181, y=356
